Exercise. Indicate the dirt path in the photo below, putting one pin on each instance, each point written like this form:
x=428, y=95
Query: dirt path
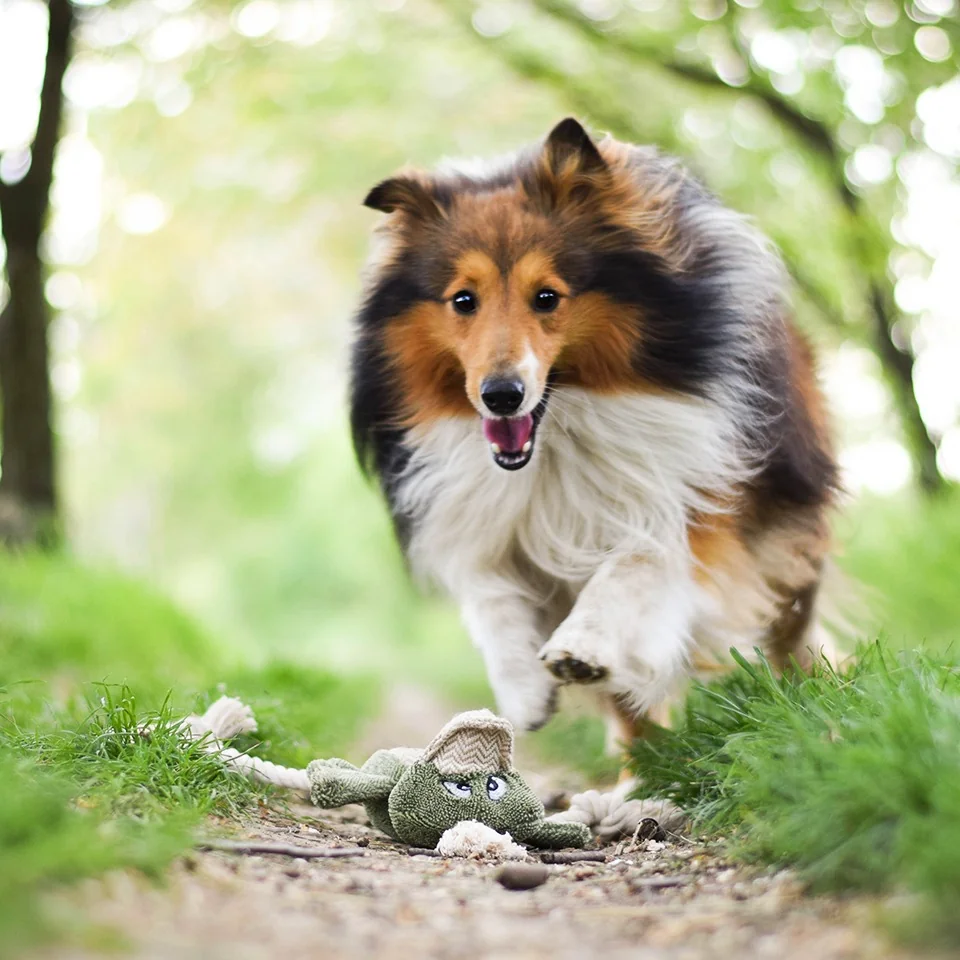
x=676, y=903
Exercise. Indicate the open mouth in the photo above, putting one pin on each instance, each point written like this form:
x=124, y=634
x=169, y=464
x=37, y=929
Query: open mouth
x=512, y=439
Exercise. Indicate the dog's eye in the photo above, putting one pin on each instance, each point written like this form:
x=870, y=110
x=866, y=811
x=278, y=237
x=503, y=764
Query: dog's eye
x=496, y=788
x=546, y=300
x=459, y=790
x=464, y=302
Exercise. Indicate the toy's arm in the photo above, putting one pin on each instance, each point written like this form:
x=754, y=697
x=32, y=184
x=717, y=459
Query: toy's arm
x=551, y=835
x=336, y=782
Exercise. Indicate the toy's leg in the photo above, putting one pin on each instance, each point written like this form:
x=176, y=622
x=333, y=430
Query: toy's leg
x=341, y=764
x=630, y=628
x=508, y=629
x=552, y=835
x=336, y=782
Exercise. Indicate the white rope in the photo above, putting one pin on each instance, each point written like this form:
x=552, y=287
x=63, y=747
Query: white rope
x=265, y=771
x=226, y=719
x=613, y=814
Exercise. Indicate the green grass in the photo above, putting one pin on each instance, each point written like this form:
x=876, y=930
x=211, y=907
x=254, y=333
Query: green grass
x=46, y=839
x=79, y=799
x=852, y=777
x=88, y=659
x=67, y=624
x=303, y=712
x=126, y=761
x=905, y=554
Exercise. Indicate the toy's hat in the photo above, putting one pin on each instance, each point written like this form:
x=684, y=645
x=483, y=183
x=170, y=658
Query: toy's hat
x=477, y=741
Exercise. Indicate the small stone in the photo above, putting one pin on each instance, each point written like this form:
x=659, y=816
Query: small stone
x=650, y=829
x=522, y=876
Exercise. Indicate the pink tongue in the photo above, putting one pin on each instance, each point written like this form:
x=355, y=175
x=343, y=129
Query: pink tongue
x=508, y=434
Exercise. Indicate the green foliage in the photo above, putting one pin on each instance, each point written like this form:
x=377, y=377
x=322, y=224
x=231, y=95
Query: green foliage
x=904, y=554
x=578, y=743
x=302, y=712
x=93, y=775
x=47, y=839
x=851, y=776
x=222, y=465
x=130, y=761
x=67, y=624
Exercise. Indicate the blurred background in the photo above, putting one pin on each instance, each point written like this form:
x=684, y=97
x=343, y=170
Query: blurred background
x=199, y=515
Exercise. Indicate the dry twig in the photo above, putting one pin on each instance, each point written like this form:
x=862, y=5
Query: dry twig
x=573, y=856
x=282, y=849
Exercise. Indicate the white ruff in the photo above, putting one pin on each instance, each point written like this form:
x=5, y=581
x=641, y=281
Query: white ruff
x=610, y=476
x=582, y=555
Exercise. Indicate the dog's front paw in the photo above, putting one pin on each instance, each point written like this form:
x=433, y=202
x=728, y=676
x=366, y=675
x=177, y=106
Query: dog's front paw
x=568, y=668
x=572, y=655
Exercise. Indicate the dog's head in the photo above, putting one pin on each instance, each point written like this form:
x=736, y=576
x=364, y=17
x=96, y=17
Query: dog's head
x=490, y=288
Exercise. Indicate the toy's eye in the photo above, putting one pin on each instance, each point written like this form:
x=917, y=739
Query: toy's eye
x=496, y=788
x=464, y=302
x=459, y=790
x=546, y=300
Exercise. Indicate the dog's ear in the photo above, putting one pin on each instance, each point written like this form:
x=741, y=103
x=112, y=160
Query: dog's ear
x=569, y=168
x=569, y=149
x=404, y=193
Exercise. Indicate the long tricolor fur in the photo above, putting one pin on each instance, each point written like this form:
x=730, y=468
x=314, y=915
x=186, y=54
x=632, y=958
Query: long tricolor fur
x=661, y=490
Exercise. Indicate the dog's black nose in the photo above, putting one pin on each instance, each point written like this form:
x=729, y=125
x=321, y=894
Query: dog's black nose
x=501, y=396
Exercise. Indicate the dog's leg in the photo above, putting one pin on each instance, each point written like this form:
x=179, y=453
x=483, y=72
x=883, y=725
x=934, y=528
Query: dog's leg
x=508, y=629
x=624, y=725
x=629, y=628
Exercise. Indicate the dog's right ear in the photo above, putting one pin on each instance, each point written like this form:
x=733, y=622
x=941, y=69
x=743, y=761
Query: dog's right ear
x=569, y=170
x=407, y=194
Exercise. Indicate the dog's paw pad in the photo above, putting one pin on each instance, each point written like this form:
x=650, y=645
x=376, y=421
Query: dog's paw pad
x=570, y=669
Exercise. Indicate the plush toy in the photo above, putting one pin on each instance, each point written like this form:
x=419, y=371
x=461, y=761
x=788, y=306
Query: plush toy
x=415, y=796
x=466, y=773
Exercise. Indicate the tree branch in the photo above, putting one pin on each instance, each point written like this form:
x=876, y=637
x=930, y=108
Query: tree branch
x=818, y=299
x=813, y=132
x=619, y=122
x=898, y=365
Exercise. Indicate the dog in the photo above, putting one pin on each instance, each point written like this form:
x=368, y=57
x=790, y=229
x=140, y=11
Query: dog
x=576, y=378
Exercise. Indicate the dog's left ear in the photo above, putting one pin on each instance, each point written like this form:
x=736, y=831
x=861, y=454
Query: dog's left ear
x=569, y=150
x=569, y=168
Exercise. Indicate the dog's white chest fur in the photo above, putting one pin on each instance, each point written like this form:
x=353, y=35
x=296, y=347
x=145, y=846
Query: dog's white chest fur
x=611, y=475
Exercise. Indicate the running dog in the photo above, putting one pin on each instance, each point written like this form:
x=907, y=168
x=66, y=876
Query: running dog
x=576, y=378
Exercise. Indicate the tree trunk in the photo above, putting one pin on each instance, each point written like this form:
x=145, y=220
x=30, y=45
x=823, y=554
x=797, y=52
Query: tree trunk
x=28, y=459
x=28, y=478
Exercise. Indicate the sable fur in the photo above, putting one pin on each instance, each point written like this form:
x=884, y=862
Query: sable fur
x=676, y=498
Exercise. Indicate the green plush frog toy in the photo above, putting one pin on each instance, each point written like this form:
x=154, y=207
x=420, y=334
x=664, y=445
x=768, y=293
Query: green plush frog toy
x=466, y=773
